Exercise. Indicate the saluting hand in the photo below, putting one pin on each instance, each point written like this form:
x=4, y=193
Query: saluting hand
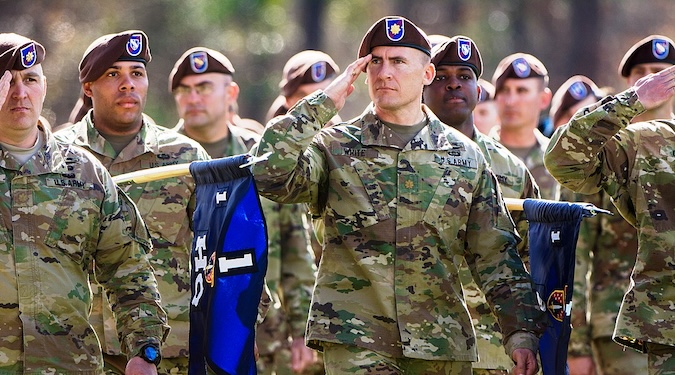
x=343, y=85
x=4, y=86
x=654, y=89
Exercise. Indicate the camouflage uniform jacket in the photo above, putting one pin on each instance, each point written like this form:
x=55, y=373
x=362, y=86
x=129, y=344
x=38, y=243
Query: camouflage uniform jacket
x=165, y=205
x=60, y=211
x=290, y=259
x=515, y=181
x=398, y=223
x=534, y=161
x=605, y=256
x=634, y=165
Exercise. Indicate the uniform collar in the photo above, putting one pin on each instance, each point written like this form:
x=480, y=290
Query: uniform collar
x=431, y=137
x=88, y=136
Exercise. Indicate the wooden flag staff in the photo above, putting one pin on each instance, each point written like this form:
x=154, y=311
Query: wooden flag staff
x=169, y=171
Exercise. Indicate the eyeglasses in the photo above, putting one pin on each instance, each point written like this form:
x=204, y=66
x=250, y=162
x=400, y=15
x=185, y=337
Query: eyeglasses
x=202, y=89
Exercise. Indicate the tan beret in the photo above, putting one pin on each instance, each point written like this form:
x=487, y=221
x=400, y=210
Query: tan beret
x=306, y=67
x=130, y=45
x=487, y=90
x=199, y=60
x=436, y=39
x=574, y=90
x=518, y=66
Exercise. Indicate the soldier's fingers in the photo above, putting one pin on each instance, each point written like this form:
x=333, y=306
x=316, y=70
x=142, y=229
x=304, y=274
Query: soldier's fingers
x=355, y=68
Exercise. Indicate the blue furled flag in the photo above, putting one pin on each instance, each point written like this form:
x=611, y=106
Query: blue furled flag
x=553, y=232
x=228, y=265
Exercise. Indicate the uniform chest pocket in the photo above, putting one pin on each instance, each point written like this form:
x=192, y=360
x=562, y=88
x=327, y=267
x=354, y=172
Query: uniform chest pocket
x=448, y=207
x=356, y=200
x=75, y=223
x=657, y=190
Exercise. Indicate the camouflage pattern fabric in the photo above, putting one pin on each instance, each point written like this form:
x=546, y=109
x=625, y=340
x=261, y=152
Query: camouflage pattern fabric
x=515, y=181
x=291, y=269
x=166, y=206
x=343, y=359
x=534, y=161
x=398, y=223
x=605, y=256
x=613, y=359
x=633, y=164
x=60, y=213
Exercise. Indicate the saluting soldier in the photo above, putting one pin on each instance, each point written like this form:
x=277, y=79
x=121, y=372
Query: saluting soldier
x=404, y=198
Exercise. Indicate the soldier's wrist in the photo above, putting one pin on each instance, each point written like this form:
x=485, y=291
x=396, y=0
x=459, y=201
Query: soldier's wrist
x=521, y=340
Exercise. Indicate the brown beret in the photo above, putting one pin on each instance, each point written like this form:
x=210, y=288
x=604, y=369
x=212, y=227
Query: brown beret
x=199, y=60
x=18, y=52
x=654, y=48
x=394, y=31
x=487, y=90
x=574, y=90
x=130, y=45
x=306, y=67
x=458, y=50
x=518, y=66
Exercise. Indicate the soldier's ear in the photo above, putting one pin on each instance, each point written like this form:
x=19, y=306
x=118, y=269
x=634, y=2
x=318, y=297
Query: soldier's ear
x=86, y=88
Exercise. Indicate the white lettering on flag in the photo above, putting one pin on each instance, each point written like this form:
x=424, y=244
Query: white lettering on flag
x=226, y=265
x=200, y=265
x=221, y=197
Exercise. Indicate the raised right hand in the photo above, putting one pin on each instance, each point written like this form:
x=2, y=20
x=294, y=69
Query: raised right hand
x=654, y=89
x=343, y=85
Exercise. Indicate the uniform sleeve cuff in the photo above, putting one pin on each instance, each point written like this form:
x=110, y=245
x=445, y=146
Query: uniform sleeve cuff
x=521, y=340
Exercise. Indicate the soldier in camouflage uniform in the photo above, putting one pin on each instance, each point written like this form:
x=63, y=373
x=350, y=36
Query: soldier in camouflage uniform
x=521, y=93
x=113, y=73
x=60, y=210
x=452, y=96
x=605, y=254
x=609, y=271
x=633, y=164
x=405, y=199
x=202, y=84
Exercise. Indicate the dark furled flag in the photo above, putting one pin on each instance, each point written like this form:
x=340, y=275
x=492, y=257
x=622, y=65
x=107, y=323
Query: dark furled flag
x=229, y=261
x=553, y=232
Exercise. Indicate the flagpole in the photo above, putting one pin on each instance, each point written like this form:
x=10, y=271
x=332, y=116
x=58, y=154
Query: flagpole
x=154, y=174
x=177, y=170
x=514, y=204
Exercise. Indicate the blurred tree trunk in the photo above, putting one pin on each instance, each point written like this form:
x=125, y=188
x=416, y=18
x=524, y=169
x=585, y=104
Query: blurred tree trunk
x=312, y=21
x=585, y=32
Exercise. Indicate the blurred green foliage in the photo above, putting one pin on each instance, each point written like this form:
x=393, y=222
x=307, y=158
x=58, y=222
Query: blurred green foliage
x=570, y=36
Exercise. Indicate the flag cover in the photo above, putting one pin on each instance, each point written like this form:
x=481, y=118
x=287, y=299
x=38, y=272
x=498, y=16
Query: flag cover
x=228, y=265
x=553, y=231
